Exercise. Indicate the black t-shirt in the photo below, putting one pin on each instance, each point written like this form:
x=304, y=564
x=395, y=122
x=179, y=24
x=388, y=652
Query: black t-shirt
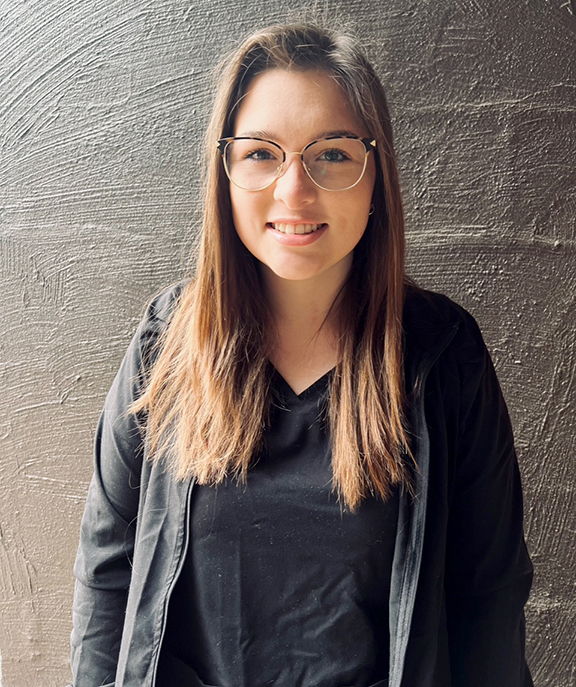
x=281, y=584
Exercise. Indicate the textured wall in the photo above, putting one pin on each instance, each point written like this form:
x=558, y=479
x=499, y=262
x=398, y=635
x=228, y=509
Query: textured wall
x=102, y=107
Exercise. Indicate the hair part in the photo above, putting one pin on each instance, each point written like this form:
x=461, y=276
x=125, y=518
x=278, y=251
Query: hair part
x=208, y=397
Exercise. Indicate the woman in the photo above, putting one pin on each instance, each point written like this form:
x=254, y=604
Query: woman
x=304, y=473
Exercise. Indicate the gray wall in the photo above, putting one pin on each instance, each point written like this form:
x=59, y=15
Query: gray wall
x=102, y=107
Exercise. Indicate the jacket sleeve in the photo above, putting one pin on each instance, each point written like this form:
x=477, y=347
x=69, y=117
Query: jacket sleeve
x=103, y=562
x=488, y=571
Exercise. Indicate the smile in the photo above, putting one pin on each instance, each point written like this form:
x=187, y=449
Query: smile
x=295, y=228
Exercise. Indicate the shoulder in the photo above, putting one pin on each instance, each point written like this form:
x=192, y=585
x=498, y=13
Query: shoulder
x=435, y=326
x=427, y=311
x=161, y=308
x=158, y=314
x=144, y=346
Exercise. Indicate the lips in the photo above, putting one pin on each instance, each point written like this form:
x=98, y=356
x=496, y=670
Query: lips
x=284, y=228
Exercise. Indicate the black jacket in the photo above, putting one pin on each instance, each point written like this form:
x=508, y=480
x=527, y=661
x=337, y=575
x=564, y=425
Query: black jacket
x=461, y=574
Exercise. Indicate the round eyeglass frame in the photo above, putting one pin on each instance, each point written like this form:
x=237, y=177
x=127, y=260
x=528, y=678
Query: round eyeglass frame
x=223, y=143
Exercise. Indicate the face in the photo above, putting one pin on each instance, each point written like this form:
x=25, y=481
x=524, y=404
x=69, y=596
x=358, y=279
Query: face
x=293, y=109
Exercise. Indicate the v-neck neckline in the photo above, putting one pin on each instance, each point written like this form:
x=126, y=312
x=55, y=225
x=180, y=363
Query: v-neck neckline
x=290, y=395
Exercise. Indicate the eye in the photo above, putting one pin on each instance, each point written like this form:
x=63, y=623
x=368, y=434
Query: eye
x=261, y=155
x=333, y=155
x=258, y=155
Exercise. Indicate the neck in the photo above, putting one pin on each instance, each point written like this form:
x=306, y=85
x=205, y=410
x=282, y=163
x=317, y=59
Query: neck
x=302, y=305
x=305, y=337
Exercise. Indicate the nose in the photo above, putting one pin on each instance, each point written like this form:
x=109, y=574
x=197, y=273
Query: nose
x=294, y=187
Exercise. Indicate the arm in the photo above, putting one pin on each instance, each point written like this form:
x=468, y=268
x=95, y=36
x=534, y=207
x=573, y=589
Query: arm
x=103, y=562
x=488, y=572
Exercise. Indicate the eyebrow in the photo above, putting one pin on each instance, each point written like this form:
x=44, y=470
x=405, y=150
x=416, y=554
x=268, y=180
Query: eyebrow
x=342, y=133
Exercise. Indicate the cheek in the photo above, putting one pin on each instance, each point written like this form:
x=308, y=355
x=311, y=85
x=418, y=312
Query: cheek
x=358, y=208
x=249, y=218
x=236, y=203
x=247, y=208
x=240, y=215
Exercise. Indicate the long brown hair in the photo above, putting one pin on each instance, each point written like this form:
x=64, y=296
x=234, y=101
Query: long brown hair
x=208, y=396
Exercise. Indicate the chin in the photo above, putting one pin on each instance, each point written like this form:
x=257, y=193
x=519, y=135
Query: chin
x=295, y=275
x=292, y=273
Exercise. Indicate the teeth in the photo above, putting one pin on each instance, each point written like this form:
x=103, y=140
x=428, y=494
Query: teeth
x=296, y=228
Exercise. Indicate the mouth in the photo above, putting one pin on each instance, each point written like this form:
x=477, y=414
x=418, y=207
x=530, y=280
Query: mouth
x=295, y=228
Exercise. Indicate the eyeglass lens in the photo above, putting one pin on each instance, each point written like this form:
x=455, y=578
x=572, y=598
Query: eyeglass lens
x=333, y=164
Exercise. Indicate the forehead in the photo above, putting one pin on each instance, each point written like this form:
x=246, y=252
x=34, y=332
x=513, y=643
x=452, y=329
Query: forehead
x=295, y=107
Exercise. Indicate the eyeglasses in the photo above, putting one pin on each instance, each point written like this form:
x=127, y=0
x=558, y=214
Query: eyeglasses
x=336, y=163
